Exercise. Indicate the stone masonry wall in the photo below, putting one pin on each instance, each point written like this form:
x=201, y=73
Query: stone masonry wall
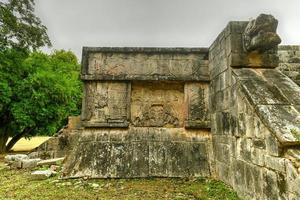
x=255, y=119
x=144, y=114
x=229, y=112
x=289, y=61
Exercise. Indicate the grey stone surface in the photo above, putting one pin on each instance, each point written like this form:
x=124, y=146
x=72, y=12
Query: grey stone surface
x=147, y=113
x=144, y=64
x=261, y=114
x=260, y=34
x=140, y=152
x=283, y=121
x=16, y=157
x=41, y=174
x=30, y=163
x=50, y=162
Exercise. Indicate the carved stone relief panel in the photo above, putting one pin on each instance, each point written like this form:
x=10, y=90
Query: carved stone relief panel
x=139, y=66
x=157, y=104
x=106, y=104
x=196, y=98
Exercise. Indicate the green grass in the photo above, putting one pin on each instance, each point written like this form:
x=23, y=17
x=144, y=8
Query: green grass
x=16, y=184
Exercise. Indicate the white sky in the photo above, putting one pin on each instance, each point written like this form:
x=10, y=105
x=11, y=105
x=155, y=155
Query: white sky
x=162, y=23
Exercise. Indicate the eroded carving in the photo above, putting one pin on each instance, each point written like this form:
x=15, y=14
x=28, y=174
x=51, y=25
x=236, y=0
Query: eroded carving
x=196, y=97
x=105, y=102
x=157, y=104
x=137, y=66
x=260, y=34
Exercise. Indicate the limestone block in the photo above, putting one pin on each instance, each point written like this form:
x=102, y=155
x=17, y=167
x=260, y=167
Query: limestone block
x=16, y=157
x=287, y=87
x=136, y=64
x=196, y=100
x=272, y=145
x=253, y=181
x=258, y=156
x=260, y=92
x=275, y=163
x=293, y=196
x=139, y=152
x=294, y=156
x=50, y=161
x=292, y=179
x=282, y=120
x=244, y=147
x=106, y=104
x=253, y=60
x=221, y=151
x=239, y=180
x=30, y=163
x=223, y=171
x=17, y=164
x=273, y=186
x=41, y=174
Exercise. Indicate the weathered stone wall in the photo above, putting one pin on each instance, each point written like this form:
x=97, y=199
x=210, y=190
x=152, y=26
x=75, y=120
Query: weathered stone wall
x=144, y=114
x=255, y=119
x=139, y=152
x=289, y=61
x=229, y=112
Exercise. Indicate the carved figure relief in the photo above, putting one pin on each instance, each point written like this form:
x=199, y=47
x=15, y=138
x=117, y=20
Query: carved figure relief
x=106, y=102
x=157, y=104
x=260, y=34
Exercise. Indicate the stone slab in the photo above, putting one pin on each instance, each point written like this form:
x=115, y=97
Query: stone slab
x=144, y=64
x=283, y=121
x=139, y=152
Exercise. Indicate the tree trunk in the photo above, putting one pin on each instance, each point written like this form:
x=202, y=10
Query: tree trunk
x=3, y=140
x=16, y=138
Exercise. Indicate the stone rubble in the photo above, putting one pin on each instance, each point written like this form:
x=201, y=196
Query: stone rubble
x=50, y=162
x=41, y=174
x=22, y=161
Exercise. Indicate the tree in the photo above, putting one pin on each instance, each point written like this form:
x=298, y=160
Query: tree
x=19, y=27
x=37, y=93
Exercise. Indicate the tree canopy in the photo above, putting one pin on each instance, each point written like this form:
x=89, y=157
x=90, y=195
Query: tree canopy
x=19, y=27
x=37, y=92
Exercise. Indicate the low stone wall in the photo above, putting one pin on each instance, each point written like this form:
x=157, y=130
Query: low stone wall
x=255, y=120
x=289, y=61
x=139, y=152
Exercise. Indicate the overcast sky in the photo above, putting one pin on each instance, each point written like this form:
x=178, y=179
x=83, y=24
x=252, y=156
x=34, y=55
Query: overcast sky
x=163, y=23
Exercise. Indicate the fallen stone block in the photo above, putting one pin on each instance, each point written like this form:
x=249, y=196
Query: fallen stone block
x=15, y=164
x=16, y=157
x=41, y=174
x=30, y=163
x=50, y=161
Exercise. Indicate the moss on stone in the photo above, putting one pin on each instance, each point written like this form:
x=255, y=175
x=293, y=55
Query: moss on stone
x=296, y=134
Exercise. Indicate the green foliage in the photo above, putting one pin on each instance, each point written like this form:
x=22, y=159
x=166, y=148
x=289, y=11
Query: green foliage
x=38, y=91
x=206, y=189
x=221, y=190
x=296, y=134
x=19, y=27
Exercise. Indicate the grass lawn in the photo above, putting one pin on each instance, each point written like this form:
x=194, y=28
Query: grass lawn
x=16, y=184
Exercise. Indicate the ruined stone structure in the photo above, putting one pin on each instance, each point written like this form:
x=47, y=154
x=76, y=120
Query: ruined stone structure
x=227, y=111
